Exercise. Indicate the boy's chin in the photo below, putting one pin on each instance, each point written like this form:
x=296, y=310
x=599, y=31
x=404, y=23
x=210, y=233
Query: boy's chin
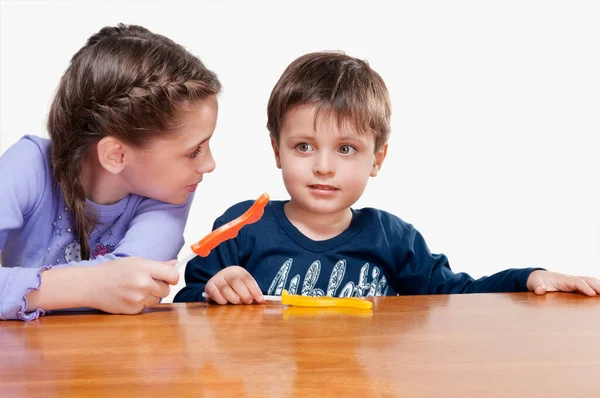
x=318, y=207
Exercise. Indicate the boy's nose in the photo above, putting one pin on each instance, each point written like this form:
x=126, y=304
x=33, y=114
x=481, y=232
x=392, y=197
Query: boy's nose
x=324, y=164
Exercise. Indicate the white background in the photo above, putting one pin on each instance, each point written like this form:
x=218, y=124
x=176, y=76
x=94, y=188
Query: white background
x=494, y=154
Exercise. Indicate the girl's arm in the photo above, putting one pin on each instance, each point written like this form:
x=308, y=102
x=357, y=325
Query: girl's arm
x=23, y=182
x=123, y=286
x=155, y=232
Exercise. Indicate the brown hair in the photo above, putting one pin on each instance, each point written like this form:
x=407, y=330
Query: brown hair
x=125, y=82
x=338, y=85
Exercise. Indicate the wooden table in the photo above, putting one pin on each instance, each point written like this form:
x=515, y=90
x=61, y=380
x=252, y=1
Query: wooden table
x=481, y=345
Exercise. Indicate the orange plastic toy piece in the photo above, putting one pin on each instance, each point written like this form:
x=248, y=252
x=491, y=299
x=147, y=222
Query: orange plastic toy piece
x=231, y=229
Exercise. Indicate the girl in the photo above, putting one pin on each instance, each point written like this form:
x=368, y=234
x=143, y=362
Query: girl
x=129, y=142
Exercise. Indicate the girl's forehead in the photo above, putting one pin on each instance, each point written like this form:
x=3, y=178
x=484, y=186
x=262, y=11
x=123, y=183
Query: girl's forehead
x=191, y=126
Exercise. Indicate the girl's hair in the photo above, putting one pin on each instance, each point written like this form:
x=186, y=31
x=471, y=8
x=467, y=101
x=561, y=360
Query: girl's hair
x=128, y=83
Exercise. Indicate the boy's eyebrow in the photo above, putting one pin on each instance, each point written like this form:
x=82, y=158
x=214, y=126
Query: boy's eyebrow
x=341, y=137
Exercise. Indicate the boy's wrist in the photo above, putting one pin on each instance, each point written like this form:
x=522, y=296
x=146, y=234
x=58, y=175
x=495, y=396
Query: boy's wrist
x=533, y=279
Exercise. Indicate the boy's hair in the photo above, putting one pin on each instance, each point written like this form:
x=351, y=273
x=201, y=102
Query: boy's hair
x=125, y=82
x=337, y=85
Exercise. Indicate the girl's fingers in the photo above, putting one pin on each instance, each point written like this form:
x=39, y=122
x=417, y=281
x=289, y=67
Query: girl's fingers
x=163, y=272
x=151, y=301
x=159, y=289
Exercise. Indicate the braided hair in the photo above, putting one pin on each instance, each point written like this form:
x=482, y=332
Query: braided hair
x=125, y=82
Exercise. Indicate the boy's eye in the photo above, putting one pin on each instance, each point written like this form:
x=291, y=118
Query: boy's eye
x=347, y=149
x=304, y=147
x=194, y=154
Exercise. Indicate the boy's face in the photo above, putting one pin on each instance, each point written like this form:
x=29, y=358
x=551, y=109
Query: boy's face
x=324, y=171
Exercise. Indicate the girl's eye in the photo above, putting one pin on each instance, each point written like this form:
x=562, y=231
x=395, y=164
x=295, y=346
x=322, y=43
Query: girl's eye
x=304, y=147
x=347, y=149
x=194, y=154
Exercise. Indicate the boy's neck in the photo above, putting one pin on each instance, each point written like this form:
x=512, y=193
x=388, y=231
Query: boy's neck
x=318, y=226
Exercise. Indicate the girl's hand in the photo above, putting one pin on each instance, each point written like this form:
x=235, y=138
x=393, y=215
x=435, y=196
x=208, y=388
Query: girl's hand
x=128, y=285
x=233, y=285
x=541, y=282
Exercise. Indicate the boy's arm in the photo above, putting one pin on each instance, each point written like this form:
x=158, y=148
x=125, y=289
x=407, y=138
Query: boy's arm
x=201, y=269
x=422, y=272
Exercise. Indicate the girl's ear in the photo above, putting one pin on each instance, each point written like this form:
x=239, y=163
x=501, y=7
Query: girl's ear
x=276, y=152
x=378, y=160
x=112, y=154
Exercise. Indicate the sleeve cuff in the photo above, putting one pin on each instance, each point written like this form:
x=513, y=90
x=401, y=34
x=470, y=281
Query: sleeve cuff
x=14, y=303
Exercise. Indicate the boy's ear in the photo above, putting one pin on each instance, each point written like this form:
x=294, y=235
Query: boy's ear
x=112, y=154
x=276, y=152
x=378, y=160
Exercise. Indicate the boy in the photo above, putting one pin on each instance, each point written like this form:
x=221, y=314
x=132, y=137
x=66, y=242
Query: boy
x=329, y=120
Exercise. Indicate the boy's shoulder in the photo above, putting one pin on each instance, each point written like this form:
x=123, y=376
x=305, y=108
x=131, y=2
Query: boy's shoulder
x=240, y=208
x=383, y=219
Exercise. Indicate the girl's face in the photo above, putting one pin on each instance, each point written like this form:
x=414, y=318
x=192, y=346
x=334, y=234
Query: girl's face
x=169, y=169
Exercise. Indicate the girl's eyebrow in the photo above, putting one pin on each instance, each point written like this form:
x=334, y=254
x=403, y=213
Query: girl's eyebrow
x=200, y=143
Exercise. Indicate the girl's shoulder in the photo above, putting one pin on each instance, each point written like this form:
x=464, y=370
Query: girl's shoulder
x=30, y=151
x=25, y=173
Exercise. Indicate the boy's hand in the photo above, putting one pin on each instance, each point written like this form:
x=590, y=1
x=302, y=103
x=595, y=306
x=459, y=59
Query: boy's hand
x=541, y=282
x=233, y=285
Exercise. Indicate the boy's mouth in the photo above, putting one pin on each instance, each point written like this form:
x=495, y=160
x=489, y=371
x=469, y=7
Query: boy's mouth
x=323, y=187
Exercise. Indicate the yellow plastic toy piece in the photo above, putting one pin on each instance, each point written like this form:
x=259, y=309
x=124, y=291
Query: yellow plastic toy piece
x=325, y=312
x=308, y=301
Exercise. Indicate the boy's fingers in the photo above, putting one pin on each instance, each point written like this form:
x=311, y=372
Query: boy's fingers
x=251, y=285
x=214, y=294
x=239, y=287
x=254, y=289
x=593, y=283
x=540, y=290
x=584, y=288
x=230, y=295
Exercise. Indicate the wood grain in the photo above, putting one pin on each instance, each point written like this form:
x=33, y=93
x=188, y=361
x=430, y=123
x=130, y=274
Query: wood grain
x=488, y=345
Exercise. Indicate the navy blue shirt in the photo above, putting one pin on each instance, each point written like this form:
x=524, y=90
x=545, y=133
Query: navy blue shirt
x=377, y=255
